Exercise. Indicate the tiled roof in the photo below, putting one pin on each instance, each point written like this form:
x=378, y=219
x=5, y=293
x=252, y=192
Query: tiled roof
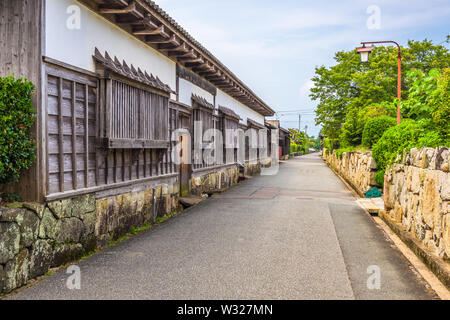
x=202, y=102
x=130, y=72
x=229, y=113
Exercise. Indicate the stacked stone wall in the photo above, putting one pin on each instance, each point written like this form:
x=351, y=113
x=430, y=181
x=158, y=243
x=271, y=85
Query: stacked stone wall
x=417, y=197
x=357, y=168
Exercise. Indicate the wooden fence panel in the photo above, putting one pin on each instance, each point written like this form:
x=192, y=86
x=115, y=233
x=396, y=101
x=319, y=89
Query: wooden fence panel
x=76, y=157
x=71, y=122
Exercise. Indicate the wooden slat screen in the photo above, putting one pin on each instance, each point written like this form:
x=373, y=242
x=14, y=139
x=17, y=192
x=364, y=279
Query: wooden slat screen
x=208, y=121
x=138, y=114
x=232, y=125
x=75, y=159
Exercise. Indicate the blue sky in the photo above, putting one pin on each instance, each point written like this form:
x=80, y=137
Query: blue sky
x=274, y=46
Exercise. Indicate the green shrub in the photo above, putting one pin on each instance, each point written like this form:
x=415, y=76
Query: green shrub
x=374, y=129
x=331, y=144
x=398, y=139
x=17, y=148
x=340, y=152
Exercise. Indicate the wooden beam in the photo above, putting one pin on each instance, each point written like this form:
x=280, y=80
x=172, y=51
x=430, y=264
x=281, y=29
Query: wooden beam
x=215, y=79
x=131, y=8
x=223, y=85
x=204, y=67
x=190, y=55
x=144, y=32
x=211, y=72
x=178, y=51
x=163, y=41
x=194, y=62
x=159, y=31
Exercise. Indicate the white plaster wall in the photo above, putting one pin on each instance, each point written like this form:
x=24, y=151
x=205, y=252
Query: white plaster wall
x=76, y=46
x=224, y=100
x=187, y=88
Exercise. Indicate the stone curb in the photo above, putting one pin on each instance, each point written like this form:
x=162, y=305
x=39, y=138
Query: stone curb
x=438, y=267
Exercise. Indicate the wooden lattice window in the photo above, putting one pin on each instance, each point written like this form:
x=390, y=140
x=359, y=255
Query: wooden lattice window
x=230, y=130
x=134, y=107
x=204, y=119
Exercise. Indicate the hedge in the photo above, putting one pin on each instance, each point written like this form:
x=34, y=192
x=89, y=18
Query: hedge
x=374, y=129
x=398, y=139
x=17, y=116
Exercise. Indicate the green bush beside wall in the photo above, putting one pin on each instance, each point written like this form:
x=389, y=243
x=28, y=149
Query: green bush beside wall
x=17, y=116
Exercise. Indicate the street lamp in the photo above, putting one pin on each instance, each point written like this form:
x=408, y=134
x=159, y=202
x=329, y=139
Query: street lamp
x=365, y=52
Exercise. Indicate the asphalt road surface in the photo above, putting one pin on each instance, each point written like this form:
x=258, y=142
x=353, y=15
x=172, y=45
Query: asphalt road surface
x=295, y=235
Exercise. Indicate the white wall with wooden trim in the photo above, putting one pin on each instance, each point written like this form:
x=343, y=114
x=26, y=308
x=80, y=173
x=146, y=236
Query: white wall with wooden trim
x=76, y=46
x=223, y=99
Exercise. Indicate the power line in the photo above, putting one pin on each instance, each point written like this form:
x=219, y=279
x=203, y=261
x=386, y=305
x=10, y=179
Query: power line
x=294, y=111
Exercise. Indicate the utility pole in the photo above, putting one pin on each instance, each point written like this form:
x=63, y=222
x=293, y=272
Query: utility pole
x=299, y=122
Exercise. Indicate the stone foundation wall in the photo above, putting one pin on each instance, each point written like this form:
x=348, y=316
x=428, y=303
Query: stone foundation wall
x=252, y=169
x=357, y=168
x=37, y=237
x=217, y=180
x=417, y=197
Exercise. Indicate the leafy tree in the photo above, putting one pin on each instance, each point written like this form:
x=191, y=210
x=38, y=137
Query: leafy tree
x=300, y=141
x=429, y=100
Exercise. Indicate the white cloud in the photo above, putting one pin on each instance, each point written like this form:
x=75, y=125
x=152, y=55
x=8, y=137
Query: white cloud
x=306, y=87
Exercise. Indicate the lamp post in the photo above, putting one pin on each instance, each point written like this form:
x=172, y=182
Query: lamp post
x=365, y=52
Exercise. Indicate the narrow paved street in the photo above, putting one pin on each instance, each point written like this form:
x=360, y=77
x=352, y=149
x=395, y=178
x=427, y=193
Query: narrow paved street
x=297, y=235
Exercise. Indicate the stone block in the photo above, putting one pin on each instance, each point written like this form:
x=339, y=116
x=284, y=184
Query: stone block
x=397, y=213
x=386, y=196
x=41, y=258
x=66, y=253
x=37, y=208
x=47, y=228
x=415, y=180
x=165, y=189
x=444, y=182
x=10, y=214
x=83, y=205
x=2, y=278
x=9, y=241
x=75, y=207
x=29, y=228
x=17, y=271
x=27, y=221
x=89, y=221
x=61, y=208
x=429, y=202
x=446, y=234
x=445, y=167
x=69, y=230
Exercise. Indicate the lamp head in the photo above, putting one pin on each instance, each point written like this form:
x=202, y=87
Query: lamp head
x=364, y=53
